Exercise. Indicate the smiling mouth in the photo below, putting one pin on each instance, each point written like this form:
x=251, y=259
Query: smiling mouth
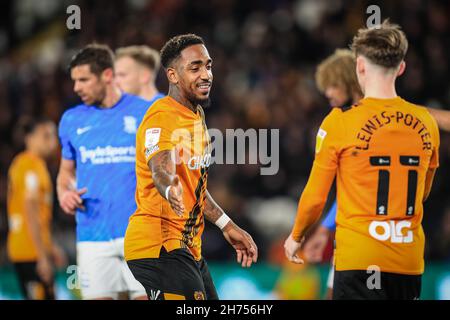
x=204, y=86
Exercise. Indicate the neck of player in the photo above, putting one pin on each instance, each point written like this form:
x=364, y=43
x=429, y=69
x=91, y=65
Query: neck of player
x=148, y=92
x=175, y=93
x=112, y=96
x=381, y=86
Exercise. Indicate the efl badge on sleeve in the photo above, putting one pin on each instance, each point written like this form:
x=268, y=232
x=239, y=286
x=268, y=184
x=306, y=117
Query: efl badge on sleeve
x=319, y=139
x=152, y=137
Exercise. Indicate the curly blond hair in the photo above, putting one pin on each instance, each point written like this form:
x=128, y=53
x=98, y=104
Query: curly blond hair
x=338, y=70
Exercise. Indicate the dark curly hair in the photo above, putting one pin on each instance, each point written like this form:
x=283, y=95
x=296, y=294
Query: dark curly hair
x=172, y=49
x=99, y=57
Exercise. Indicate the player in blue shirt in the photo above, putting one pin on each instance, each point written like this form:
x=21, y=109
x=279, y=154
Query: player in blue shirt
x=136, y=68
x=96, y=180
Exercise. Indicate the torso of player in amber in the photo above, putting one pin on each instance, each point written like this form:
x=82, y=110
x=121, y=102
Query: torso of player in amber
x=384, y=149
x=28, y=174
x=169, y=125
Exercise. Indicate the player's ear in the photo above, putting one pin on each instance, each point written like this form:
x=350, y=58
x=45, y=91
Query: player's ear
x=401, y=68
x=172, y=75
x=360, y=65
x=108, y=75
x=144, y=76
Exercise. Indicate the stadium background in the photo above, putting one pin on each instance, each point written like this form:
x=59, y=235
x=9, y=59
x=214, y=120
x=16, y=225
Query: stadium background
x=265, y=53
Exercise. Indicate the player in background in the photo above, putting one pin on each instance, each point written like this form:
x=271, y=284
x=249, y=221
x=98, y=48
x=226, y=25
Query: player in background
x=136, y=68
x=336, y=79
x=163, y=239
x=30, y=203
x=384, y=152
x=97, y=179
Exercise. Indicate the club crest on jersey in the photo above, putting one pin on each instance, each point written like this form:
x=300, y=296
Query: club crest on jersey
x=129, y=124
x=152, y=137
x=321, y=134
x=198, y=295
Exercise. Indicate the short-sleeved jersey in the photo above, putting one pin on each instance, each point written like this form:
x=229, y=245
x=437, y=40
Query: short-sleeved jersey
x=28, y=174
x=382, y=150
x=169, y=125
x=102, y=144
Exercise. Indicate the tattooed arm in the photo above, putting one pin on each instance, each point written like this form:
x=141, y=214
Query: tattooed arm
x=163, y=169
x=240, y=240
x=212, y=210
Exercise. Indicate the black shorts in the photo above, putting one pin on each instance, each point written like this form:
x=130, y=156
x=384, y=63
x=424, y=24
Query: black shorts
x=31, y=285
x=364, y=285
x=174, y=275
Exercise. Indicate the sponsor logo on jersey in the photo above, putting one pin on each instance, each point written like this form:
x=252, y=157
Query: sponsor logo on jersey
x=197, y=162
x=129, y=124
x=391, y=231
x=108, y=154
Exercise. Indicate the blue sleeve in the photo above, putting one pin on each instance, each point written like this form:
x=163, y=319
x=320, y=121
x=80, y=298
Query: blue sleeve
x=330, y=220
x=67, y=150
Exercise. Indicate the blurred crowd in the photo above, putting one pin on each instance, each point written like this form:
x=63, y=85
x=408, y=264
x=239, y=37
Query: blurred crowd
x=265, y=53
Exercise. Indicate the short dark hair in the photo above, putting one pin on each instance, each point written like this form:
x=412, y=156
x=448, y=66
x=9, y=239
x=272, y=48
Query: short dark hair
x=99, y=57
x=172, y=49
x=30, y=124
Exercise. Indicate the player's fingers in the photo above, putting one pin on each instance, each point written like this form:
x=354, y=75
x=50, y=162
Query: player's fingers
x=66, y=209
x=239, y=256
x=78, y=199
x=178, y=209
x=296, y=259
x=70, y=203
x=177, y=201
x=244, y=258
x=69, y=211
x=249, y=259
x=82, y=191
x=177, y=206
x=254, y=253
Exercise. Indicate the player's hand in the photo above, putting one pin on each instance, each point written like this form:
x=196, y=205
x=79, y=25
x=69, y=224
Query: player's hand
x=70, y=200
x=44, y=269
x=242, y=242
x=176, y=196
x=59, y=256
x=315, y=245
x=290, y=249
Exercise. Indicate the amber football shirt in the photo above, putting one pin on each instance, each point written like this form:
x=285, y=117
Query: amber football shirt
x=380, y=151
x=168, y=125
x=28, y=174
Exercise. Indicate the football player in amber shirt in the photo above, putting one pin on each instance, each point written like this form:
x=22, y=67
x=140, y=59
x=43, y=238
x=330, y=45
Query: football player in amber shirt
x=336, y=79
x=384, y=153
x=30, y=194
x=173, y=153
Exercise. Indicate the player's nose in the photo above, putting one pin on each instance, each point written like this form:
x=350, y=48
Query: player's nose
x=206, y=75
x=76, y=87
